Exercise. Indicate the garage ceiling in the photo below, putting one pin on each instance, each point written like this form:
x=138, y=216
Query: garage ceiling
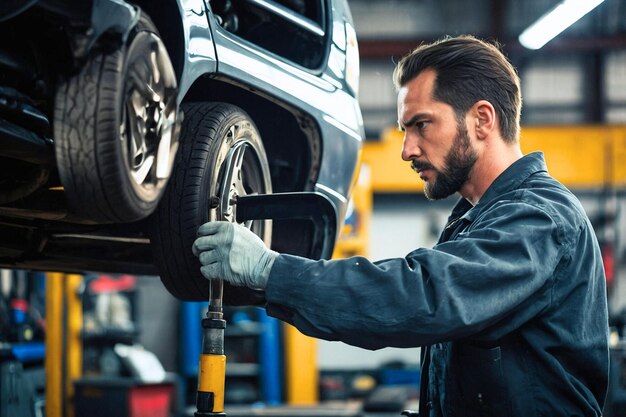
x=395, y=26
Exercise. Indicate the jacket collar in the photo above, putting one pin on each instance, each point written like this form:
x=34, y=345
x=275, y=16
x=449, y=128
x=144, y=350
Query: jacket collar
x=509, y=180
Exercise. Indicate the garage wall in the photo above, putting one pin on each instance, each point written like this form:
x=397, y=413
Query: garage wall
x=615, y=91
x=559, y=86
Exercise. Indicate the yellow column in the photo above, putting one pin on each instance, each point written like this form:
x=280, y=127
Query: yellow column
x=54, y=345
x=301, y=371
x=73, y=342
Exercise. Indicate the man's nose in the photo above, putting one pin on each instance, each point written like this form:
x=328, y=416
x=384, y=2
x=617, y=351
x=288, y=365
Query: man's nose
x=410, y=150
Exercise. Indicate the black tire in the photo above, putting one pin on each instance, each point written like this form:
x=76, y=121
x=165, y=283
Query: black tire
x=116, y=129
x=211, y=134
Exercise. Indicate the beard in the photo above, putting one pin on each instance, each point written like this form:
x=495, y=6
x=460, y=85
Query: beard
x=458, y=164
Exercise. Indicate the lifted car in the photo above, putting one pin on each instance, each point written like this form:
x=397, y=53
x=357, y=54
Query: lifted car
x=125, y=126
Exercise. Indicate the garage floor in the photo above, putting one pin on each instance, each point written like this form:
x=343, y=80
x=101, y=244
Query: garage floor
x=340, y=409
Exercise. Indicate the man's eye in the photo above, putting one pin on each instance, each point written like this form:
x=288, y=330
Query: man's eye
x=420, y=125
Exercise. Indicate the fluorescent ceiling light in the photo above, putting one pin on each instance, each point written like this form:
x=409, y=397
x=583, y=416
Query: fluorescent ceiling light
x=555, y=22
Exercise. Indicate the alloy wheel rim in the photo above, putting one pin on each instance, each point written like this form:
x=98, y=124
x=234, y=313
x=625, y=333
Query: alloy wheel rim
x=149, y=121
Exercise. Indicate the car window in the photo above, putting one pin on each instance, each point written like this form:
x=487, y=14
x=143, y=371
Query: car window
x=293, y=29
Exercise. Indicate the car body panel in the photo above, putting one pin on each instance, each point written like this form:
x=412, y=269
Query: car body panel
x=200, y=57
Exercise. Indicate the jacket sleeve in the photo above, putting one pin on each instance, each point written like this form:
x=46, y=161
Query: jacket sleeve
x=491, y=278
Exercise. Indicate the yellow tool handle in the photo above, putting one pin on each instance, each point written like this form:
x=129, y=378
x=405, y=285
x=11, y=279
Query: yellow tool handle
x=211, y=378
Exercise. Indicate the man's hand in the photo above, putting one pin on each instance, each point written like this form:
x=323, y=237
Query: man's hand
x=233, y=253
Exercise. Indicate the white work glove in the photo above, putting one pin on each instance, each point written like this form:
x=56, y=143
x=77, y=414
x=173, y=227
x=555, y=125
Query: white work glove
x=233, y=253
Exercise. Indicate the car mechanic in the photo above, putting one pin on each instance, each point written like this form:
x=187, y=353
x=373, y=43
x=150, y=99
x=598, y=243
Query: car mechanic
x=509, y=306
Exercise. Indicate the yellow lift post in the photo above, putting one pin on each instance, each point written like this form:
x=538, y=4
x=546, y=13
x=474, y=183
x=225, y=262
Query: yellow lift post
x=63, y=360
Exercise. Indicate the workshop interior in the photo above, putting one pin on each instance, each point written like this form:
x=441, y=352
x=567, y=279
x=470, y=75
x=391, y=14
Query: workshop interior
x=125, y=125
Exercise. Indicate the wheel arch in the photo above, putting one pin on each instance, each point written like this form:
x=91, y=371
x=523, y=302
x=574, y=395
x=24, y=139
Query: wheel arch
x=170, y=29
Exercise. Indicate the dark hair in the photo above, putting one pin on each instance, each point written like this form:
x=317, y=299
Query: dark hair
x=468, y=70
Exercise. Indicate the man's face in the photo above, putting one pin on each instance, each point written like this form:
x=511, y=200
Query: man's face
x=435, y=142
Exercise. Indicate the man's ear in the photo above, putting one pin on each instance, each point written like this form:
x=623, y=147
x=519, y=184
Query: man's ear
x=485, y=115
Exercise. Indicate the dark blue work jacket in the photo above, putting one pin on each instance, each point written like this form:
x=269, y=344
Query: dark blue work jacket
x=509, y=307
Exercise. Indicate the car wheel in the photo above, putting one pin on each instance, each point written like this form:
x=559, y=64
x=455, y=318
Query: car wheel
x=116, y=129
x=221, y=157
